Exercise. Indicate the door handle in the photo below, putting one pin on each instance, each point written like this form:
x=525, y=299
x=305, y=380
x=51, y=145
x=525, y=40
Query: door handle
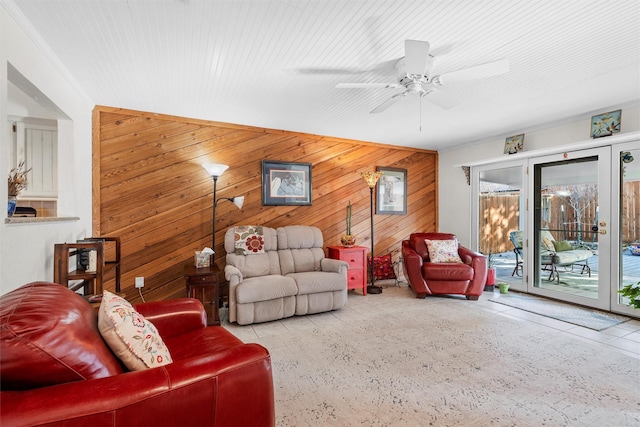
x=602, y=231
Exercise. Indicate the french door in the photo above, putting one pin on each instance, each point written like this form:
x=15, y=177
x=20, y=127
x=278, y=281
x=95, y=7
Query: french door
x=586, y=201
x=571, y=224
x=500, y=215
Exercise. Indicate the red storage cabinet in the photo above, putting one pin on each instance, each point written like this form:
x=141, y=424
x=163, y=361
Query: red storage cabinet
x=356, y=256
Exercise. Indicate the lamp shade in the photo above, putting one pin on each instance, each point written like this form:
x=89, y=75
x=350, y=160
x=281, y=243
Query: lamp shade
x=371, y=178
x=215, y=169
x=238, y=201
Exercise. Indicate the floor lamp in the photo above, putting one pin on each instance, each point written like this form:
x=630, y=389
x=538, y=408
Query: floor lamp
x=371, y=178
x=215, y=170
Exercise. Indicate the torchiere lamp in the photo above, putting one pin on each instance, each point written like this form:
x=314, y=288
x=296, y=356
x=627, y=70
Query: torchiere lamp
x=371, y=178
x=215, y=170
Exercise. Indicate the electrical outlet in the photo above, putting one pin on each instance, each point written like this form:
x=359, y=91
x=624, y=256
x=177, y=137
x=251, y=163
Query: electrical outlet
x=139, y=282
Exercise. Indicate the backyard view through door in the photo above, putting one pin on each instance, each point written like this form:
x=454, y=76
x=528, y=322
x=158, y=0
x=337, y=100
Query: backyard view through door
x=571, y=227
x=579, y=240
x=500, y=223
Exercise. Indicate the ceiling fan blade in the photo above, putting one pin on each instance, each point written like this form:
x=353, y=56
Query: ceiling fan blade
x=329, y=71
x=388, y=103
x=478, y=72
x=383, y=68
x=416, y=54
x=367, y=85
x=442, y=99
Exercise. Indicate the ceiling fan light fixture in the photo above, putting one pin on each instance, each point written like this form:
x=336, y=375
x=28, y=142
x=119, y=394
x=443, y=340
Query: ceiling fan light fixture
x=415, y=87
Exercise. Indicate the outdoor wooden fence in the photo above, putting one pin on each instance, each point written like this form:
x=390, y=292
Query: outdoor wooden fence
x=500, y=214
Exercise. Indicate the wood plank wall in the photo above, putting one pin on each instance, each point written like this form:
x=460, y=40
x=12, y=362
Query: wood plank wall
x=150, y=189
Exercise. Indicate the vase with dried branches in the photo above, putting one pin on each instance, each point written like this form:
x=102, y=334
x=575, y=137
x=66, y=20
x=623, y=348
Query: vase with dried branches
x=16, y=182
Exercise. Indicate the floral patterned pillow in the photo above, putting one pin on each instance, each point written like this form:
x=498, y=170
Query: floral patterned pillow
x=443, y=250
x=249, y=240
x=130, y=336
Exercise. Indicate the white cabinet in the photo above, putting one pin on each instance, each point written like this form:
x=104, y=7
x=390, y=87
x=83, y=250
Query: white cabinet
x=37, y=145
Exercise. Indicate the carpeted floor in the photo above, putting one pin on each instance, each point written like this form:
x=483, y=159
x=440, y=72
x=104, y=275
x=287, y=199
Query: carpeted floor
x=587, y=317
x=394, y=360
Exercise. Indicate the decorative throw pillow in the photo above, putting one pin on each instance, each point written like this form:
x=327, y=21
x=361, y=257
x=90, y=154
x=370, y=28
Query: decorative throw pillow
x=130, y=336
x=249, y=240
x=382, y=267
x=443, y=250
x=562, y=245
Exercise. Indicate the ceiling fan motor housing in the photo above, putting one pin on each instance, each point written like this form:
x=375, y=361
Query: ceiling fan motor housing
x=413, y=83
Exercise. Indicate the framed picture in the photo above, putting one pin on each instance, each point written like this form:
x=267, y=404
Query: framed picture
x=513, y=144
x=391, y=195
x=286, y=184
x=605, y=124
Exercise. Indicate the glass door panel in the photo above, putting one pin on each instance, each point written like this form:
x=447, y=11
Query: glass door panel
x=629, y=231
x=500, y=223
x=570, y=224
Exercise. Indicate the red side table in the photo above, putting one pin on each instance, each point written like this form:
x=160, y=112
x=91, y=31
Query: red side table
x=356, y=256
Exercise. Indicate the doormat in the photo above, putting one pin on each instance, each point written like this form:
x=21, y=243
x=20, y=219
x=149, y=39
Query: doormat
x=581, y=316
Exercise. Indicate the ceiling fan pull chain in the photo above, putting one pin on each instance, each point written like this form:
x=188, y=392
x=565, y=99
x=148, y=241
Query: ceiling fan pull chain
x=420, y=101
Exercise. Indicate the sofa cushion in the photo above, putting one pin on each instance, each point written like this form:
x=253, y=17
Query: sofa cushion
x=546, y=240
x=567, y=257
x=443, y=251
x=300, y=260
x=299, y=237
x=447, y=272
x=132, y=338
x=265, y=288
x=49, y=335
x=254, y=264
x=299, y=248
x=318, y=281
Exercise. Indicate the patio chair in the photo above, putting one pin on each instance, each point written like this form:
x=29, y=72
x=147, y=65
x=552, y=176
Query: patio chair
x=554, y=254
x=516, y=240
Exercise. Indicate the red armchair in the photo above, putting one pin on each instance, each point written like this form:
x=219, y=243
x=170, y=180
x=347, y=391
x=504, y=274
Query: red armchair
x=57, y=370
x=425, y=278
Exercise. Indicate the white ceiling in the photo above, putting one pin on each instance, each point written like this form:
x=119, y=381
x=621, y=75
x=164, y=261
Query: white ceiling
x=273, y=63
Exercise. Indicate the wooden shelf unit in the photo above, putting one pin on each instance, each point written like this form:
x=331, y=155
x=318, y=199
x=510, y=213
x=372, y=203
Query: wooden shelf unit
x=91, y=281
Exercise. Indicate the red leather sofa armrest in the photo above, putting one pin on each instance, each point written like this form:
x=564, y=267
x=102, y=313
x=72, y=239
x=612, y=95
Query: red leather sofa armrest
x=412, y=267
x=479, y=264
x=470, y=257
x=228, y=388
x=174, y=317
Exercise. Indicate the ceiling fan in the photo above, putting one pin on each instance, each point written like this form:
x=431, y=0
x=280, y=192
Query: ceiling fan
x=414, y=74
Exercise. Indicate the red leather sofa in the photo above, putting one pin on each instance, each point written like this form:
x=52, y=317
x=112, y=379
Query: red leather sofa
x=426, y=278
x=55, y=369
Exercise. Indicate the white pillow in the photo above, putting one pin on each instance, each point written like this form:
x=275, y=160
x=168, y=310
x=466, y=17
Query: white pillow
x=129, y=335
x=443, y=250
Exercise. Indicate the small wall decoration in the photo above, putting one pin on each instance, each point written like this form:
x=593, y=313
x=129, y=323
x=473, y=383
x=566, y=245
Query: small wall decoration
x=605, y=124
x=286, y=184
x=391, y=195
x=513, y=144
x=467, y=173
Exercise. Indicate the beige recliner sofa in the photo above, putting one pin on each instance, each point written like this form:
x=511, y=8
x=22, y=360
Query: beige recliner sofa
x=276, y=273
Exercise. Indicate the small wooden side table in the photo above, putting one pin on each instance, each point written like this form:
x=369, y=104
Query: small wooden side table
x=205, y=284
x=356, y=256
